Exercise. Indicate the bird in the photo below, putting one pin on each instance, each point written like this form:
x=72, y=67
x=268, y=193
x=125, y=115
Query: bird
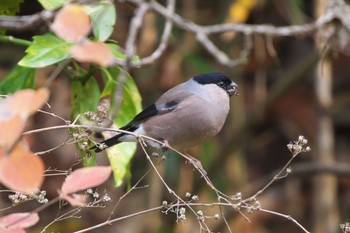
x=183, y=116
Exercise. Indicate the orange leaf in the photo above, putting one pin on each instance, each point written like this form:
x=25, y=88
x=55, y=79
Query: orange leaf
x=93, y=52
x=71, y=23
x=19, y=220
x=21, y=170
x=84, y=178
x=26, y=102
x=10, y=131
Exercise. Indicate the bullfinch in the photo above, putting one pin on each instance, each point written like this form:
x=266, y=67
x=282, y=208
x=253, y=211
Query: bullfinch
x=183, y=116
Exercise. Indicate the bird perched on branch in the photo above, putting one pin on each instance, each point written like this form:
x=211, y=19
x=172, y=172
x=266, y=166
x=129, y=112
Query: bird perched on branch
x=183, y=116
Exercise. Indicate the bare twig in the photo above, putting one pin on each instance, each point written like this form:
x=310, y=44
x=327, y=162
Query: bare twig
x=54, y=115
x=337, y=9
x=56, y=72
x=296, y=148
x=69, y=214
x=109, y=222
x=286, y=217
x=128, y=192
x=54, y=148
x=179, y=199
x=27, y=22
x=163, y=41
x=130, y=51
x=224, y=200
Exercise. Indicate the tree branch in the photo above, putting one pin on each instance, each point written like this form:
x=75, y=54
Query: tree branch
x=27, y=22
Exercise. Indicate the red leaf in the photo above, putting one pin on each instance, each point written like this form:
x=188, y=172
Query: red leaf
x=26, y=102
x=75, y=199
x=14, y=111
x=2, y=152
x=19, y=220
x=10, y=130
x=93, y=52
x=21, y=170
x=16, y=230
x=71, y=23
x=85, y=178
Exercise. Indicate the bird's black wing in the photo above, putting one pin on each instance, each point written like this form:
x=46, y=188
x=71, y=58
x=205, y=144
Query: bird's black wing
x=150, y=111
x=168, y=102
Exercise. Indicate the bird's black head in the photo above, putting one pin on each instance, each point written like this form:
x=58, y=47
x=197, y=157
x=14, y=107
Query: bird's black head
x=219, y=79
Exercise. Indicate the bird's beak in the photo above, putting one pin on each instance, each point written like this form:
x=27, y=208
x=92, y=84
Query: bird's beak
x=233, y=89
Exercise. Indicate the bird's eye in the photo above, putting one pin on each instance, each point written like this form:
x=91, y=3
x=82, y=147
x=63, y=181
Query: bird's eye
x=221, y=84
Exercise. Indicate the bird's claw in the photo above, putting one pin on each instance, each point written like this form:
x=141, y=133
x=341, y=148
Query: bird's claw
x=165, y=146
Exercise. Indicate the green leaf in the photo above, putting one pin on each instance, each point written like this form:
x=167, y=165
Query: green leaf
x=45, y=50
x=121, y=155
x=9, y=7
x=119, y=54
x=103, y=19
x=19, y=78
x=131, y=102
x=85, y=96
x=52, y=4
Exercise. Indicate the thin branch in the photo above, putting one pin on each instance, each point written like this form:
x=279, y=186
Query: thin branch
x=67, y=142
x=163, y=41
x=297, y=147
x=37, y=210
x=130, y=51
x=185, y=204
x=275, y=178
x=109, y=222
x=337, y=9
x=70, y=214
x=286, y=217
x=56, y=72
x=27, y=22
x=179, y=199
x=54, y=115
x=135, y=25
x=128, y=192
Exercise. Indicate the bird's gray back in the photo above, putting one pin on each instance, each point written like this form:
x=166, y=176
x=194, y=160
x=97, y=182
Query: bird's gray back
x=201, y=113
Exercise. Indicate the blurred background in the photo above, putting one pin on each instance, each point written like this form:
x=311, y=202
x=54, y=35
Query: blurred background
x=289, y=86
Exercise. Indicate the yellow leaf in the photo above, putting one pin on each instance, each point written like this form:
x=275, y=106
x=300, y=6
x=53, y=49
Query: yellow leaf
x=240, y=10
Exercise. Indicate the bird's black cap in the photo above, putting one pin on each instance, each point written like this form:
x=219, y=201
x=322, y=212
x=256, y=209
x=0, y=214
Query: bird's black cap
x=212, y=78
x=219, y=79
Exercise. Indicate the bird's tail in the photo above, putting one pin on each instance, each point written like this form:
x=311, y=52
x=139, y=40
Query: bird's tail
x=107, y=143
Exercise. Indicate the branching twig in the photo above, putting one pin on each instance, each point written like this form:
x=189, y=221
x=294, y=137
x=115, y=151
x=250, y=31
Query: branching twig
x=69, y=214
x=179, y=199
x=296, y=148
x=163, y=41
x=127, y=193
x=130, y=51
x=337, y=9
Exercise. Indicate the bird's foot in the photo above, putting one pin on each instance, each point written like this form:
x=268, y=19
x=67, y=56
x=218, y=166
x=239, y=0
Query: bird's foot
x=165, y=146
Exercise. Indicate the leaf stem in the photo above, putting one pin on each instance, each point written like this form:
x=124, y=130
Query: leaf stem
x=13, y=40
